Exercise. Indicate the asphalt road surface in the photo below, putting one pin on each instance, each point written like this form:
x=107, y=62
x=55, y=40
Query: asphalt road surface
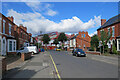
x=82, y=67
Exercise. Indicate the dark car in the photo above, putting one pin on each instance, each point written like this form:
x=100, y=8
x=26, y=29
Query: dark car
x=78, y=52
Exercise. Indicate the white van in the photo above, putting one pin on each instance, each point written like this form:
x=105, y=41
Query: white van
x=32, y=49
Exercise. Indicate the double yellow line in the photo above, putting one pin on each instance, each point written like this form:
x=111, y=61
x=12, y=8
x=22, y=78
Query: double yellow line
x=55, y=68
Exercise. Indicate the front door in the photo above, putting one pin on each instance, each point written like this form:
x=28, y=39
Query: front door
x=4, y=47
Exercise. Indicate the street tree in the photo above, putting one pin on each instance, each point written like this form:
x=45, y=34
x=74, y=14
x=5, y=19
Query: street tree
x=46, y=39
x=94, y=42
x=62, y=37
x=104, y=38
x=55, y=42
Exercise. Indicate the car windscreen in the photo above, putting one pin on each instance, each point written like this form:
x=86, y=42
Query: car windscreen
x=80, y=50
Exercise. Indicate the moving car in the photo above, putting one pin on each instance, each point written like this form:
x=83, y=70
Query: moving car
x=78, y=52
x=32, y=49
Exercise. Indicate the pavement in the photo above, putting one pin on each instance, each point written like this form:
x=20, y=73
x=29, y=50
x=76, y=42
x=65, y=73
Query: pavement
x=39, y=66
x=83, y=67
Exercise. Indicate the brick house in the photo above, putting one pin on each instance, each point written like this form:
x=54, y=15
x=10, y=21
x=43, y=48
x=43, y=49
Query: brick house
x=21, y=35
x=7, y=39
x=111, y=26
x=80, y=40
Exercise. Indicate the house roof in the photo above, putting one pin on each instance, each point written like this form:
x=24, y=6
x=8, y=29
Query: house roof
x=74, y=36
x=111, y=21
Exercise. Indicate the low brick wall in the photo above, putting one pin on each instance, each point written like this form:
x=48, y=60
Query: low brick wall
x=25, y=56
x=3, y=66
x=93, y=52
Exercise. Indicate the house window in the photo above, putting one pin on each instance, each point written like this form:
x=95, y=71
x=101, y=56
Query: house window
x=84, y=35
x=119, y=44
x=21, y=34
x=10, y=46
x=0, y=44
x=4, y=26
x=0, y=24
x=14, y=46
x=108, y=31
x=84, y=45
x=10, y=29
x=113, y=31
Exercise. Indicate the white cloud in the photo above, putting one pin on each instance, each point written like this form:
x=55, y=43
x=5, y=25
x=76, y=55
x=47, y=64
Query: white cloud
x=51, y=12
x=35, y=22
x=93, y=33
x=39, y=7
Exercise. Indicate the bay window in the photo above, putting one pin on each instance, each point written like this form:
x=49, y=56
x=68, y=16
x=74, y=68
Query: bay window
x=11, y=45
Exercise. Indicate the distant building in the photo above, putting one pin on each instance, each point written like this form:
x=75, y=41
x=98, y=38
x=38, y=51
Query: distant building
x=80, y=40
x=52, y=35
x=111, y=26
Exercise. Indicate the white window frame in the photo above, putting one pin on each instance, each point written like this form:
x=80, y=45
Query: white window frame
x=108, y=31
x=118, y=45
x=114, y=31
x=4, y=26
x=1, y=45
x=12, y=45
x=0, y=24
x=10, y=27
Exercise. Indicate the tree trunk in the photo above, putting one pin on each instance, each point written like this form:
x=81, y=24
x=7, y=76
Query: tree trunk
x=45, y=46
x=95, y=49
x=103, y=49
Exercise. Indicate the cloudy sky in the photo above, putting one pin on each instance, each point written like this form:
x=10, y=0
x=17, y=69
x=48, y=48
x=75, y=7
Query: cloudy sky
x=69, y=17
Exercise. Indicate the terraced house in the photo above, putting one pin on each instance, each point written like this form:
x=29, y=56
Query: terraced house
x=111, y=26
x=7, y=39
x=22, y=36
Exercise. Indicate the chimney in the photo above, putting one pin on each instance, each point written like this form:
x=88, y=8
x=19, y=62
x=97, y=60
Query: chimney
x=25, y=29
x=103, y=21
x=11, y=18
x=21, y=26
x=30, y=34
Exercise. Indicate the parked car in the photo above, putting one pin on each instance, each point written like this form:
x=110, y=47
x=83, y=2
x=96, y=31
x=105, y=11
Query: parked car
x=58, y=49
x=32, y=49
x=78, y=52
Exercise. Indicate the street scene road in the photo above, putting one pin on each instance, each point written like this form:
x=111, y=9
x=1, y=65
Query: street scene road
x=82, y=67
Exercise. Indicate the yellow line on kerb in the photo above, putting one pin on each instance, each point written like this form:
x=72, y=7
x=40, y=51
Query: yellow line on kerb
x=55, y=67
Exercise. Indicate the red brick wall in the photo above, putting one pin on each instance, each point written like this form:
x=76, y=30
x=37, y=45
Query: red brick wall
x=83, y=40
x=117, y=30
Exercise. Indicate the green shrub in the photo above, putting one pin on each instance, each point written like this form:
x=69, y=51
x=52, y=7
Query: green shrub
x=114, y=50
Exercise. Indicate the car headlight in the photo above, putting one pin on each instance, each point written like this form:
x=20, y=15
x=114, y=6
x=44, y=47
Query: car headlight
x=78, y=52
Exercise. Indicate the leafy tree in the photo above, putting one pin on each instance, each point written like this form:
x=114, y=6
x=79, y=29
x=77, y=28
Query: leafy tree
x=104, y=38
x=46, y=39
x=55, y=42
x=94, y=42
x=62, y=37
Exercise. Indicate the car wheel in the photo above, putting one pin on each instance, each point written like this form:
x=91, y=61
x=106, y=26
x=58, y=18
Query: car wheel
x=32, y=52
x=19, y=53
x=73, y=54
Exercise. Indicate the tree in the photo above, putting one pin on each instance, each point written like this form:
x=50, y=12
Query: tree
x=104, y=38
x=94, y=42
x=46, y=39
x=62, y=37
x=55, y=42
